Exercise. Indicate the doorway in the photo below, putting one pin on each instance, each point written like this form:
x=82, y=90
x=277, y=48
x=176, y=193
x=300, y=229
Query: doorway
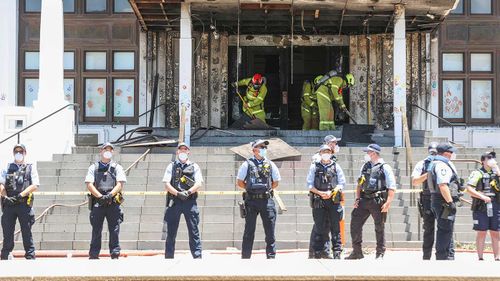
x=283, y=100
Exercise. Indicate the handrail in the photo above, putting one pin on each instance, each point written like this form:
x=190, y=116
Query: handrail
x=152, y=109
x=452, y=125
x=142, y=114
x=74, y=105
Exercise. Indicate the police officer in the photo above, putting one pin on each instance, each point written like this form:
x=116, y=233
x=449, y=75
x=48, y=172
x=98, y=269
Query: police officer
x=259, y=176
x=419, y=177
x=17, y=183
x=444, y=185
x=182, y=180
x=326, y=181
x=331, y=141
x=374, y=195
x=105, y=180
x=484, y=187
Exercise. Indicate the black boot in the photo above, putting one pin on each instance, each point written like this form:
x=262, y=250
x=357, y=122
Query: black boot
x=355, y=256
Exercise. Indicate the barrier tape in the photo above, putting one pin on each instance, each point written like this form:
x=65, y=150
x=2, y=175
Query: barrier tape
x=164, y=193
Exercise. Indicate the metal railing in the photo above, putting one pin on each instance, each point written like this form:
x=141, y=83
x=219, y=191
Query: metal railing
x=76, y=106
x=142, y=114
x=452, y=125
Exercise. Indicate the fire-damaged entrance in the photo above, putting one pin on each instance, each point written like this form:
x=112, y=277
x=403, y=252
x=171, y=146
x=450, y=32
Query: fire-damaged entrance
x=284, y=88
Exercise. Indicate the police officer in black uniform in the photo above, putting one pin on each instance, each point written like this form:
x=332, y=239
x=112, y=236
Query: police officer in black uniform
x=444, y=185
x=374, y=195
x=17, y=183
x=182, y=180
x=484, y=187
x=419, y=177
x=259, y=176
x=326, y=181
x=105, y=180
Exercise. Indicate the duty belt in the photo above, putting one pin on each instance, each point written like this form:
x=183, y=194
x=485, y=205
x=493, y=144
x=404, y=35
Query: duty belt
x=266, y=195
x=371, y=195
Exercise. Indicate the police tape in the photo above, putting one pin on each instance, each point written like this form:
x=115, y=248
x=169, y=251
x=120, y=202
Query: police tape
x=204, y=193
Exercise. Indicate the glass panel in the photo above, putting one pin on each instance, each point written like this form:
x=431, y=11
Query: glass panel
x=481, y=99
x=480, y=62
x=33, y=6
x=95, y=60
x=69, y=60
x=459, y=9
x=122, y=6
x=95, y=6
x=123, y=97
x=69, y=6
x=69, y=89
x=95, y=97
x=453, y=98
x=453, y=62
x=30, y=91
x=123, y=61
x=31, y=60
x=480, y=6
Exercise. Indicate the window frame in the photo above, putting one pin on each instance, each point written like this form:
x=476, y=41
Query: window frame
x=464, y=66
x=492, y=12
x=464, y=9
x=464, y=99
x=106, y=11
x=123, y=51
x=90, y=119
x=120, y=13
x=136, y=100
x=481, y=121
x=492, y=57
x=24, y=60
x=85, y=69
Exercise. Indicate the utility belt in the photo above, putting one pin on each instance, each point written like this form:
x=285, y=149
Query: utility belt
x=117, y=200
x=420, y=203
x=28, y=200
x=258, y=196
x=380, y=197
x=480, y=205
x=171, y=198
x=316, y=202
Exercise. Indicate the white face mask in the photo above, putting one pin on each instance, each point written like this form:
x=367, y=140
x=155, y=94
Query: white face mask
x=367, y=158
x=492, y=162
x=107, y=155
x=326, y=156
x=263, y=152
x=18, y=157
x=453, y=156
x=183, y=156
x=336, y=149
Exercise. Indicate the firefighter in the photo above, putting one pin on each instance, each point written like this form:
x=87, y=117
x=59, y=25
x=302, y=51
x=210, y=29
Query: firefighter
x=253, y=104
x=327, y=92
x=309, y=107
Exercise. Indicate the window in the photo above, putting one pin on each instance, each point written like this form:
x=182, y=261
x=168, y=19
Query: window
x=32, y=60
x=481, y=93
x=123, y=61
x=453, y=99
x=69, y=90
x=122, y=6
x=480, y=7
x=481, y=62
x=453, y=62
x=32, y=6
x=95, y=97
x=69, y=60
x=30, y=91
x=123, y=97
x=69, y=6
x=96, y=6
x=459, y=10
x=95, y=61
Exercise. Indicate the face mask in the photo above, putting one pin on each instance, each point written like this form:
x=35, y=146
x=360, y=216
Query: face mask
x=336, y=149
x=453, y=156
x=183, y=156
x=326, y=156
x=18, y=157
x=367, y=158
x=107, y=155
x=491, y=162
x=256, y=87
x=263, y=152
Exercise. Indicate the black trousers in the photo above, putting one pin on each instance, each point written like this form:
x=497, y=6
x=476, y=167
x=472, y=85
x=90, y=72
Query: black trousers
x=114, y=217
x=359, y=216
x=267, y=210
x=26, y=217
x=331, y=213
x=428, y=221
x=325, y=237
x=444, y=233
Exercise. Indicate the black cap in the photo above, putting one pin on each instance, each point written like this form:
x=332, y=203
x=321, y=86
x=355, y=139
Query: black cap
x=445, y=147
x=488, y=155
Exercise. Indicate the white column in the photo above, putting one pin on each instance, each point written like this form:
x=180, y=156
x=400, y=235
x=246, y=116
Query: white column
x=8, y=52
x=434, y=104
x=51, y=94
x=399, y=72
x=185, y=69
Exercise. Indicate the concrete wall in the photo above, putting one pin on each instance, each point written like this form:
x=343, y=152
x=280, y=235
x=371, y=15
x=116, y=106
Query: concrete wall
x=371, y=62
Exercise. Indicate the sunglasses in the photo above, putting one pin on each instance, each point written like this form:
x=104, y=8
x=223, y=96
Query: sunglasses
x=18, y=151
